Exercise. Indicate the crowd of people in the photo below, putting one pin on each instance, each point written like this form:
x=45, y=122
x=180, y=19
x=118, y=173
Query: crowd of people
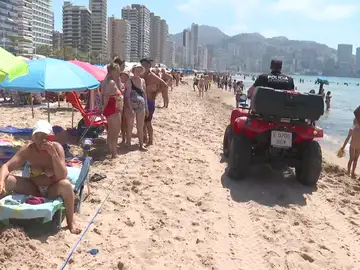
x=128, y=95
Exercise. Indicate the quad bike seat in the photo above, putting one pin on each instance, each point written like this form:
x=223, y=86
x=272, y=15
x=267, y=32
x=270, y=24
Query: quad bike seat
x=269, y=102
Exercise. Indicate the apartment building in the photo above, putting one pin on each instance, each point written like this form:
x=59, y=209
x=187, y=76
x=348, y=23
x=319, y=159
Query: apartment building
x=131, y=15
x=155, y=37
x=143, y=30
x=9, y=23
x=77, y=27
x=98, y=10
x=119, y=38
x=164, y=34
x=58, y=41
x=42, y=23
x=171, y=54
x=25, y=34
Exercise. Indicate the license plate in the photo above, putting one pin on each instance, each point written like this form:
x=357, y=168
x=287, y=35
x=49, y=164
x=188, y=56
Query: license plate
x=281, y=139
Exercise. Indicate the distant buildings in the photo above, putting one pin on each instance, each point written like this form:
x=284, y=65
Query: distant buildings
x=58, y=40
x=77, y=27
x=357, y=61
x=25, y=32
x=98, y=10
x=119, y=38
x=42, y=22
x=143, y=31
x=9, y=24
x=171, y=54
x=148, y=34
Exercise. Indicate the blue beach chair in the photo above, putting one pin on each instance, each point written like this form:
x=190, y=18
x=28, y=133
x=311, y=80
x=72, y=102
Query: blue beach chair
x=13, y=208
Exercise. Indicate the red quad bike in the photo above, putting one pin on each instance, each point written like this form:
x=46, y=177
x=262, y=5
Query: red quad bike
x=279, y=128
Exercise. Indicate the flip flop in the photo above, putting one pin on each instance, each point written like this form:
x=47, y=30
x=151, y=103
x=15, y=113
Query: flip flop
x=96, y=177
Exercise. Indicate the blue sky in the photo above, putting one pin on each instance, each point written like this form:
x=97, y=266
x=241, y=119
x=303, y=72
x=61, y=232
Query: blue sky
x=325, y=21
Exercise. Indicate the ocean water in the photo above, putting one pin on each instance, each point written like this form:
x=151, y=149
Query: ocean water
x=345, y=99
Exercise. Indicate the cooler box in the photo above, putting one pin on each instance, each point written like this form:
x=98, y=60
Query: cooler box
x=270, y=102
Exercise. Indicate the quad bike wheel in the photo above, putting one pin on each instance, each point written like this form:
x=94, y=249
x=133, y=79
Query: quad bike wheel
x=309, y=170
x=240, y=157
x=227, y=140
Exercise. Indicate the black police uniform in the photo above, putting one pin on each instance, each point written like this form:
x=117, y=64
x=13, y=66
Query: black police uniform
x=275, y=80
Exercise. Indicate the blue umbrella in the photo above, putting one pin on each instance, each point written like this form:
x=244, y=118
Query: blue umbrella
x=52, y=75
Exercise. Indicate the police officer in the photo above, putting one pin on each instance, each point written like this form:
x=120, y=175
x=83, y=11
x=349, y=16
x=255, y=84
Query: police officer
x=275, y=79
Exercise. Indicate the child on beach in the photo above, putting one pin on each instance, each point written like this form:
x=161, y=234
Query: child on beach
x=328, y=100
x=354, y=151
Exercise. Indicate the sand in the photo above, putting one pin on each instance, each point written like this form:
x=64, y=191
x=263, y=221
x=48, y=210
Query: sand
x=173, y=207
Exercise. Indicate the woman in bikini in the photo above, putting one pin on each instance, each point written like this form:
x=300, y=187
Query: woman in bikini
x=354, y=151
x=136, y=105
x=112, y=102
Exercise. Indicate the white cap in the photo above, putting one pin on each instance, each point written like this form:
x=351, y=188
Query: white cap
x=42, y=126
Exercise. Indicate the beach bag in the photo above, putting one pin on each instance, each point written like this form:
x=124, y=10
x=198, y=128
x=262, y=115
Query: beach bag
x=92, y=132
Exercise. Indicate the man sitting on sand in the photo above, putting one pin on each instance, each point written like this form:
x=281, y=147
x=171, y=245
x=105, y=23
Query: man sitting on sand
x=154, y=85
x=48, y=172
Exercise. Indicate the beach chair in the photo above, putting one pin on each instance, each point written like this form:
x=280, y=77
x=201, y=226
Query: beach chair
x=13, y=208
x=92, y=118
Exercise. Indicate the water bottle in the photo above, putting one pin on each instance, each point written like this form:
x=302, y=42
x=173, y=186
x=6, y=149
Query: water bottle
x=86, y=146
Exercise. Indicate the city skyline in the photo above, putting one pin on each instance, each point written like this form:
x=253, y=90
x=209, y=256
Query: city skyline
x=327, y=22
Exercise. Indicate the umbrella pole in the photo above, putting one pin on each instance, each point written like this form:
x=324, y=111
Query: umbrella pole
x=48, y=110
x=32, y=106
x=72, y=117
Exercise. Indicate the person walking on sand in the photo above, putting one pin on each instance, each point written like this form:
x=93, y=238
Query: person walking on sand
x=201, y=86
x=154, y=86
x=354, y=151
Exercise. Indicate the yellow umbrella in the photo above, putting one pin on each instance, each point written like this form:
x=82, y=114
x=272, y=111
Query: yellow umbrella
x=11, y=66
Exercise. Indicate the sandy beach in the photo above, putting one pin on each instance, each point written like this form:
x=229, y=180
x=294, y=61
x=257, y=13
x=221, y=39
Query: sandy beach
x=174, y=208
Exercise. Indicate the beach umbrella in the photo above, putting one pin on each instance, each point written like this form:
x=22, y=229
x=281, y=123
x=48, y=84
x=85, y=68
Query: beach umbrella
x=52, y=75
x=23, y=58
x=97, y=72
x=11, y=67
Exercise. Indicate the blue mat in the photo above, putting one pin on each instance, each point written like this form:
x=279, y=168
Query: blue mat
x=16, y=131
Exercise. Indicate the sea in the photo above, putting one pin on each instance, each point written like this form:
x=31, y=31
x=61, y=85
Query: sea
x=345, y=99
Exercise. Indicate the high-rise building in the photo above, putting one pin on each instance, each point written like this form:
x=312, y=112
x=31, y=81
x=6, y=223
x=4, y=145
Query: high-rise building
x=171, y=54
x=25, y=34
x=345, y=59
x=144, y=30
x=77, y=27
x=58, y=41
x=119, y=38
x=344, y=53
x=42, y=23
x=98, y=10
x=187, y=47
x=203, y=58
x=164, y=34
x=9, y=24
x=155, y=37
x=194, y=45
x=357, y=60
x=131, y=15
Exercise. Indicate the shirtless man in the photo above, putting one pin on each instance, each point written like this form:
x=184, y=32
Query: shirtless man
x=166, y=77
x=154, y=86
x=48, y=172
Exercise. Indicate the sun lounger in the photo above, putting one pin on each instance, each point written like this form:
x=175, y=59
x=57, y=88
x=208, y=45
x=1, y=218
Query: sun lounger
x=14, y=208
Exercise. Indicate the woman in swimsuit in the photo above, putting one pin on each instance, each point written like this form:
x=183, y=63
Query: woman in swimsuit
x=354, y=151
x=112, y=106
x=124, y=77
x=136, y=105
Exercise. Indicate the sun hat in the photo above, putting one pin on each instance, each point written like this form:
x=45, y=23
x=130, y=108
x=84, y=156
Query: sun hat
x=137, y=66
x=42, y=126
